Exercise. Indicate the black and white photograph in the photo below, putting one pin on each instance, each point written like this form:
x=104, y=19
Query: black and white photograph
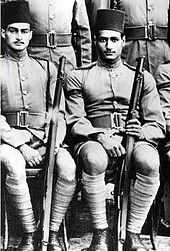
x=85, y=125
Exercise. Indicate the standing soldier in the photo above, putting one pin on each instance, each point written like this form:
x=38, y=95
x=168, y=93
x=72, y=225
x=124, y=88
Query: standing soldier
x=146, y=26
x=25, y=101
x=92, y=7
x=60, y=28
x=97, y=96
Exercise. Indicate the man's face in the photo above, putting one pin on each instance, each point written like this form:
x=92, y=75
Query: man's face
x=17, y=36
x=109, y=45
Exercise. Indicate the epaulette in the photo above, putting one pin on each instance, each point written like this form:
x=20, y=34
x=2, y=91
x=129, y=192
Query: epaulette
x=166, y=62
x=86, y=66
x=130, y=66
x=42, y=61
x=38, y=58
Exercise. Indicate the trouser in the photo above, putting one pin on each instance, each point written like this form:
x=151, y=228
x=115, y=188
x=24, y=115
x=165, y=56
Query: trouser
x=94, y=160
x=17, y=187
x=13, y=164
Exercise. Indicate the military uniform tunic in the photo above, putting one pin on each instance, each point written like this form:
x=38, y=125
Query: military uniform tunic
x=140, y=13
x=98, y=90
x=64, y=18
x=23, y=88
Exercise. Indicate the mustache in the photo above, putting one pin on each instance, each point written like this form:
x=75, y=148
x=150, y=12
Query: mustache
x=18, y=42
x=109, y=51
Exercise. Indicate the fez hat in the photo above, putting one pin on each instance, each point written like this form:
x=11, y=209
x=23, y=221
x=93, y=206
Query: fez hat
x=15, y=12
x=110, y=19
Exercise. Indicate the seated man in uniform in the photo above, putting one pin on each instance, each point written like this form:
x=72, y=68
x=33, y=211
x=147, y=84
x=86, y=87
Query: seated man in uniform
x=24, y=121
x=162, y=77
x=96, y=94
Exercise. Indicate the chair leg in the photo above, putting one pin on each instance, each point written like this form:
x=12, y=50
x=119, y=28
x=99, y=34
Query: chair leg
x=5, y=235
x=65, y=238
x=155, y=218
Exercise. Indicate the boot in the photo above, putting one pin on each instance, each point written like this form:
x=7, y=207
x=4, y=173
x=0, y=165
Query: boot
x=54, y=244
x=134, y=243
x=99, y=241
x=27, y=242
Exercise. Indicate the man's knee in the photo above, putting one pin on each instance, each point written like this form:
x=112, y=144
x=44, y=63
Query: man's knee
x=93, y=158
x=146, y=159
x=12, y=161
x=65, y=165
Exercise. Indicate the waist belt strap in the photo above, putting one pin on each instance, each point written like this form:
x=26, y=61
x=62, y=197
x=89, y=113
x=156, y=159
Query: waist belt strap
x=50, y=40
x=108, y=120
x=148, y=32
x=24, y=119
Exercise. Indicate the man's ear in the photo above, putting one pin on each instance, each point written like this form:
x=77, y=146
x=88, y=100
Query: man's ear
x=123, y=41
x=94, y=39
x=3, y=33
x=30, y=35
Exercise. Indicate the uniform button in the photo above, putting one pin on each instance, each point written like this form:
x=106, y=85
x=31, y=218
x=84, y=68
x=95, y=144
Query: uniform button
x=149, y=8
x=115, y=103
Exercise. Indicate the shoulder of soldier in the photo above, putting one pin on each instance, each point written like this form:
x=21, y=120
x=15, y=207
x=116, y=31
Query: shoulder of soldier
x=45, y=63
x=86, y=67
x=166, y=62
x=163, y=70
x=2, y=59
x=133, y=68
x=2, y=56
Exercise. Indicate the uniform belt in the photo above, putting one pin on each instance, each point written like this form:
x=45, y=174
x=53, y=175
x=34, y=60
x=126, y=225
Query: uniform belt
x=148, y=32
x=51, y=40
x=25, y=119
x=110, y=120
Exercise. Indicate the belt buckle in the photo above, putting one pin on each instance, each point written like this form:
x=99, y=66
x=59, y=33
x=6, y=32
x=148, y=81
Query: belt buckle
x=150, y=32
x=50, y=39
x=22, y=117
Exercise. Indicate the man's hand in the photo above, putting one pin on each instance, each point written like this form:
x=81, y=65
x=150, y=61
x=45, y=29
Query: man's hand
x=31, y=156
x=134, y=128
x=112, y=144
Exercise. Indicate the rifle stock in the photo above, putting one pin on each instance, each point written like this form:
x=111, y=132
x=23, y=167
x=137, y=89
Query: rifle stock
x=128, y=141
x=50, y=157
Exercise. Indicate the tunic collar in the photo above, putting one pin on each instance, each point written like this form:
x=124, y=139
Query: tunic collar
x=17, y=57
x=115, y=66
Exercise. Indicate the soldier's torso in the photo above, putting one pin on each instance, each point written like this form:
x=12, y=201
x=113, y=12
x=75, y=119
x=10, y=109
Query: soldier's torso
x=139, y=12
x=106, y=90
x=23, y=85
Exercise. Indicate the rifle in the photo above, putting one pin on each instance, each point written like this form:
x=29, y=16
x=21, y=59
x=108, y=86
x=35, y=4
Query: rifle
x=50, y=156
x=123, y=186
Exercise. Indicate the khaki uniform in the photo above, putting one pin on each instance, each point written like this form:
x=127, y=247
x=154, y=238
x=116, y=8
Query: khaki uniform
x=30, y=77
x=141, y=40
x=25, y=108
x=69, y=21
x=98, y=90
x=96, y=96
